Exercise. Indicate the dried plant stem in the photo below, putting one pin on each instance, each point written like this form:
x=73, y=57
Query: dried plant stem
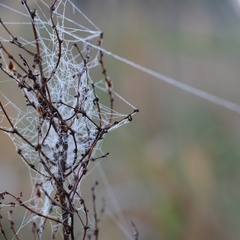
x=65, y=122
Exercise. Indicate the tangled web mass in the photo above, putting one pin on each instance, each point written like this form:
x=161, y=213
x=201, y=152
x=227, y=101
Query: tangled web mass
x=54, y=61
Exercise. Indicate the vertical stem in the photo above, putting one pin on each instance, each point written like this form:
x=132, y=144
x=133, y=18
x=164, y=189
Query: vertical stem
x=64, y=205
x=62, y=147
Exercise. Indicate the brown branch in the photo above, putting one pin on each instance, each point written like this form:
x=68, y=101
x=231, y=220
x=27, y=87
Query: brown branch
x=33, y=211
x=2, y=230
x=95, y=217
x=15, y=39
x=60, y=41
x=12, y=224
x=107, y=79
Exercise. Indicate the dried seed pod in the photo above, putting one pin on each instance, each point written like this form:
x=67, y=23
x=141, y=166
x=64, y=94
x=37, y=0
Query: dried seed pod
x=11, y=66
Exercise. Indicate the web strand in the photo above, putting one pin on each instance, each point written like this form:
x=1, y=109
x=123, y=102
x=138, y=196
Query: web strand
x=59, y=134
x=183, y=86
x=180, y=85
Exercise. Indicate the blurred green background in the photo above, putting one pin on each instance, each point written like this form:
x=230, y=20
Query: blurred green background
x=175, y=169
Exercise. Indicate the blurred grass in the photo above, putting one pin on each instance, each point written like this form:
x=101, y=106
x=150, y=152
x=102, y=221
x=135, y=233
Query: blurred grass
x=176, y=168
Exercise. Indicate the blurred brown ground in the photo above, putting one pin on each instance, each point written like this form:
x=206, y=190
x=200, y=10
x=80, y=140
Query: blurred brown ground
x=175, y=170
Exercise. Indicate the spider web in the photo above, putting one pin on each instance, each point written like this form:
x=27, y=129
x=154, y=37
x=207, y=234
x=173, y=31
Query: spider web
x=81, y=30
x=73, y=83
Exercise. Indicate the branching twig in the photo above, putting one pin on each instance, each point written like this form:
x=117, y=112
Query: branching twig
x=67, y=121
